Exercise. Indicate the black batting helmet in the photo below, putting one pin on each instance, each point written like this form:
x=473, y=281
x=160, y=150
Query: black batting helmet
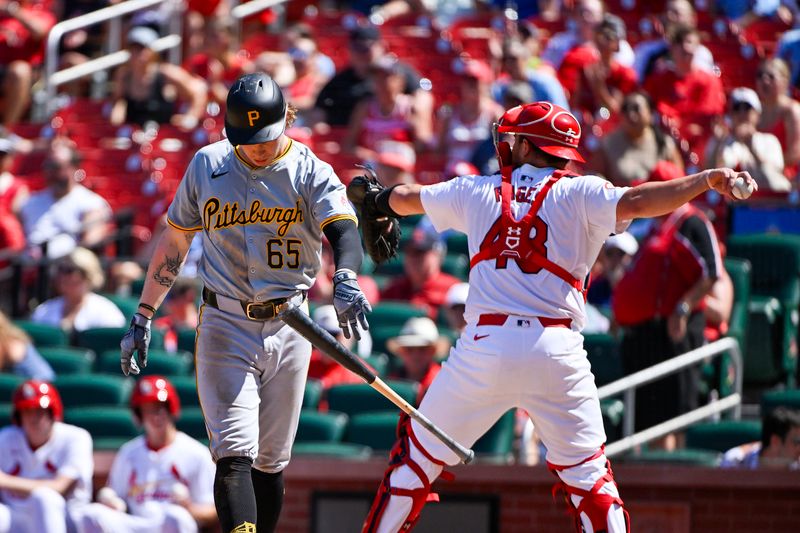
x=256, y=110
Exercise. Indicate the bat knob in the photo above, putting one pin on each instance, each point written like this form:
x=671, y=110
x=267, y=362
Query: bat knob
x=469, y=458
x=282, y=308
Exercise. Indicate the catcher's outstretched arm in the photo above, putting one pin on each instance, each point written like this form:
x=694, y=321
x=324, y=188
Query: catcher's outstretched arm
x=403, y=199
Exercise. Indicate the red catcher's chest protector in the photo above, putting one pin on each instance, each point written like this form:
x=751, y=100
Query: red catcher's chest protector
x=663, y=271
x=511, y=241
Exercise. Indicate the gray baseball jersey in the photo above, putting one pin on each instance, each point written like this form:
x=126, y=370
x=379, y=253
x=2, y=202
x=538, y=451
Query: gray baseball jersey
x=261, y=230
x=260, y=226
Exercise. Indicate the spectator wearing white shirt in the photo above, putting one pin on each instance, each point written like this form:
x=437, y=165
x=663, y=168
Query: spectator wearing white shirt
x=745, y=148
x=65, y=214
x=77, y=307
x=585, y=17
x=649, y=53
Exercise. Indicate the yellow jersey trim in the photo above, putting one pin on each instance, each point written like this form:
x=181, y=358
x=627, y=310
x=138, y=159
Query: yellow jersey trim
x=176, y=226
x=334, y=218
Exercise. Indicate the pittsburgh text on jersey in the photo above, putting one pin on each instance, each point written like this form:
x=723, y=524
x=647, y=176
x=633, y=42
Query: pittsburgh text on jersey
x=217, y=215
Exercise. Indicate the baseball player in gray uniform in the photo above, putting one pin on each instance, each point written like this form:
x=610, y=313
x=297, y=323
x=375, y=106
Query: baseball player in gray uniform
x=261, y=203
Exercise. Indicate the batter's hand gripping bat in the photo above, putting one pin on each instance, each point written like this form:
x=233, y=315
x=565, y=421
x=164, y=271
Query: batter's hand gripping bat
x=300, y=322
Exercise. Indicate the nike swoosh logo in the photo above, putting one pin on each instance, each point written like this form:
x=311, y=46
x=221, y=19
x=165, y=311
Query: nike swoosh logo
x=215, y=175
x=479, y=337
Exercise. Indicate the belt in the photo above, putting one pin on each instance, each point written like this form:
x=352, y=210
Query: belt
x=252, y=310
x=499, y=319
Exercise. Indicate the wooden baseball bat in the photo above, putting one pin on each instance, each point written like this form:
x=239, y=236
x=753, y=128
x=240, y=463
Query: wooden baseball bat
x=302, y=323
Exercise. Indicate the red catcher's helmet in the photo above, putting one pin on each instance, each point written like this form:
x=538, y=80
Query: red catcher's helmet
x=35, y=394
x=156, y=389
x=550, y=127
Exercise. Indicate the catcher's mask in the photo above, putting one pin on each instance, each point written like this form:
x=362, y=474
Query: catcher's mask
x=550, y=127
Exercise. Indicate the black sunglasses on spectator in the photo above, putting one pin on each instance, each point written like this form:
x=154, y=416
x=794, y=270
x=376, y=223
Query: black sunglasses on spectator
x=741, y=106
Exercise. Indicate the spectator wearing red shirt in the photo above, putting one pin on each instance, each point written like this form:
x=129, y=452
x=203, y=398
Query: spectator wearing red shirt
x=24, y=25
x=659, y=302
x=219, y=64
x=308, y=80
x=780, y=115
x=423, y=283
x=592, y=77
x=418, y=346
x=687, y=97
x=13, y=191
x=179, y=312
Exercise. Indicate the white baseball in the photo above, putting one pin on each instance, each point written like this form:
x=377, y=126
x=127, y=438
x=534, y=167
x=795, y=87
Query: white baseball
x=108, y=497
x=741, y=190
x=180, y=492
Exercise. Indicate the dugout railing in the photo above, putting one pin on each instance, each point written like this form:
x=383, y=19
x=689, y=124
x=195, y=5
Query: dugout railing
x=627, y=387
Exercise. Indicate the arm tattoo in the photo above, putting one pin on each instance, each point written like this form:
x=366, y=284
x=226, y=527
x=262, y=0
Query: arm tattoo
x=172, y=265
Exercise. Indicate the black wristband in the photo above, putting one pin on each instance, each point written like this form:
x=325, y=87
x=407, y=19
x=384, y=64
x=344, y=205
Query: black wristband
x=382, y=202
x=148, y=307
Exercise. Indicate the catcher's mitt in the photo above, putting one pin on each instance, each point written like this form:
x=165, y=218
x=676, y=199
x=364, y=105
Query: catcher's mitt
x=381, y=232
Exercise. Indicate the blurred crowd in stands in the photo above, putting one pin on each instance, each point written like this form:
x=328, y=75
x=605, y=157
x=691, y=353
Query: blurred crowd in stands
x=661, y=88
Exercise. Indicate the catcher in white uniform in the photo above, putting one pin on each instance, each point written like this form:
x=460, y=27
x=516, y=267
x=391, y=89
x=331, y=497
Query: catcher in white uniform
x=534, y=231
x=164, y=478
x=45, y=465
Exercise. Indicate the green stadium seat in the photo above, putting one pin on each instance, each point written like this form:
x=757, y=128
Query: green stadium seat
x=186, y=387
x=718, y=374
x=603, y=353
x=5, y=414
x=722, y=436
x=457, y=244
x=192, y=423
x=378, y=430
x=65, y=360
x=337, y=450
x=684, y=456
x=379, y=362
x=186, y=339
x=94, y=390
x=321, y=427
x=105, y=339
x=359, y=398
x=137, y=285
x=380, y=334
x=612, y=411
x=43, y=334
x=457, y=265
x=109, y=444
x=104, y=422
x=772, y=336
x=127, y=304
x=159, y=362
x=394, y=313
x=393, y=266
x=739, y=270
x=498, y=442
x=313, y=394
x=780, y=398
x=8, y=384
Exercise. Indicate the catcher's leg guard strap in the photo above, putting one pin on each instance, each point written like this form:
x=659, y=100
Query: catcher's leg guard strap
x=233, y=494
x=600, y=505
x=405, y=469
